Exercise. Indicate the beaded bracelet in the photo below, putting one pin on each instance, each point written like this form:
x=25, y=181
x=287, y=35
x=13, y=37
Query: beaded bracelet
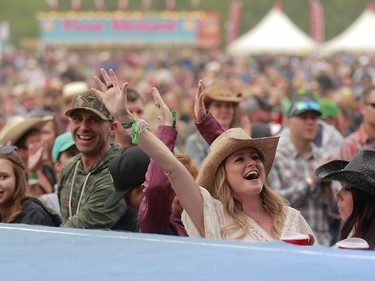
x=137, y=127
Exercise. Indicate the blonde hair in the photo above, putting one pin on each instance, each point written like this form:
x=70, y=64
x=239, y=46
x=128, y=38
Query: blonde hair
x=21, y=194
x=272, y=202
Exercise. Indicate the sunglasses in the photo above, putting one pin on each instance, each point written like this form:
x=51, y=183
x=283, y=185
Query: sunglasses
x=304, y=105
x=7, y=149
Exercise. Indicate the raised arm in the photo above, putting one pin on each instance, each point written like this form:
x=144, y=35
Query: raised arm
x=156, y=207
x=182, y=182
x=205, y=122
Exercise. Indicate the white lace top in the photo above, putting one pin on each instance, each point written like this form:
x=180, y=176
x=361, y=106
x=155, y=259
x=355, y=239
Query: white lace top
x=215, y=218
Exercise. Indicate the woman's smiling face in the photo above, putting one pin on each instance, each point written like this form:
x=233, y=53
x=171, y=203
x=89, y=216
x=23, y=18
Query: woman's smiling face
x=245, y=172
x=7, y=182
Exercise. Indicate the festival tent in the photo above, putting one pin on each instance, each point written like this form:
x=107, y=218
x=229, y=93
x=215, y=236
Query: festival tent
x=276, y=34
x=357, y=37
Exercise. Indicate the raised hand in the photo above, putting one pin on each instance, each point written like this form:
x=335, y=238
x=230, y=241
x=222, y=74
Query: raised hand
x=112, y=95
x=199, y=109
x=37, y=156
x=165, y=116
x=182, y=181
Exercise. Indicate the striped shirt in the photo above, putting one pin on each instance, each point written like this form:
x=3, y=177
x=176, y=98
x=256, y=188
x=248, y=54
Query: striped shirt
x=288, y=178
x=353, y=143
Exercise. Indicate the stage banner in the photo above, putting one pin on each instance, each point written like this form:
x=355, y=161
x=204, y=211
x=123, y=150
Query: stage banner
x=199, y=29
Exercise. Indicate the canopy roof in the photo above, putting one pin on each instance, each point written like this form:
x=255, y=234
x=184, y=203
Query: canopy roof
x=275, y=33
x=357, y=37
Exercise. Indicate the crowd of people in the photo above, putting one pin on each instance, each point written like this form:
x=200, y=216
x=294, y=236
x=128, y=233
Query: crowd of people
x=190, y=143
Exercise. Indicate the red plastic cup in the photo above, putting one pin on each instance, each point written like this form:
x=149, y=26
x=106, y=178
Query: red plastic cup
x=295, y=238
x=353, y=243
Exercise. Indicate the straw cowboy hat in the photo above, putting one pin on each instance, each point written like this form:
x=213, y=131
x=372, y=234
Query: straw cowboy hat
x=18, y=126
x=231, y=141
x=219, y=91
x=359, y=173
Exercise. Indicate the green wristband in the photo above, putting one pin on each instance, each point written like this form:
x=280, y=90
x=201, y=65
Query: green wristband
x=174, y=119
x=128, y=125
x=32, y=179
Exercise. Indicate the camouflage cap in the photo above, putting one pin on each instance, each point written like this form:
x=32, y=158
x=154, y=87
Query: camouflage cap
x=89, y=101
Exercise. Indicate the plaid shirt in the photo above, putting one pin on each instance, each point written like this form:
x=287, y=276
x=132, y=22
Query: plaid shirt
x=288, y=178
x=353, y=143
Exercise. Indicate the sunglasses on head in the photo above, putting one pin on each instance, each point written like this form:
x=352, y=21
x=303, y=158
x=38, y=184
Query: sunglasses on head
x=6, y=149
x=304, y=105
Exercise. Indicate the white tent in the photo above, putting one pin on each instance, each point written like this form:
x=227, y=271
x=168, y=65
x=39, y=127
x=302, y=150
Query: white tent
x=275, y=33
x=357, y=37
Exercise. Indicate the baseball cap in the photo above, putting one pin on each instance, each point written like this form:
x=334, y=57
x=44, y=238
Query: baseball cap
x=304, y=101
x=89, y=101
x=128, y=170
x=328, y=108
x=253, y=104
x=62, y=143
x=264, y=103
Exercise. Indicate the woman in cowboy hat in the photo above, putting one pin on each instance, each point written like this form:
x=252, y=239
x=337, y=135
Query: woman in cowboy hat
x=223, y=105
x=356, y=198
x=230, y=199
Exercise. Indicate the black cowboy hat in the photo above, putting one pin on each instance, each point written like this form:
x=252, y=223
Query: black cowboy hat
x=359, y=172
